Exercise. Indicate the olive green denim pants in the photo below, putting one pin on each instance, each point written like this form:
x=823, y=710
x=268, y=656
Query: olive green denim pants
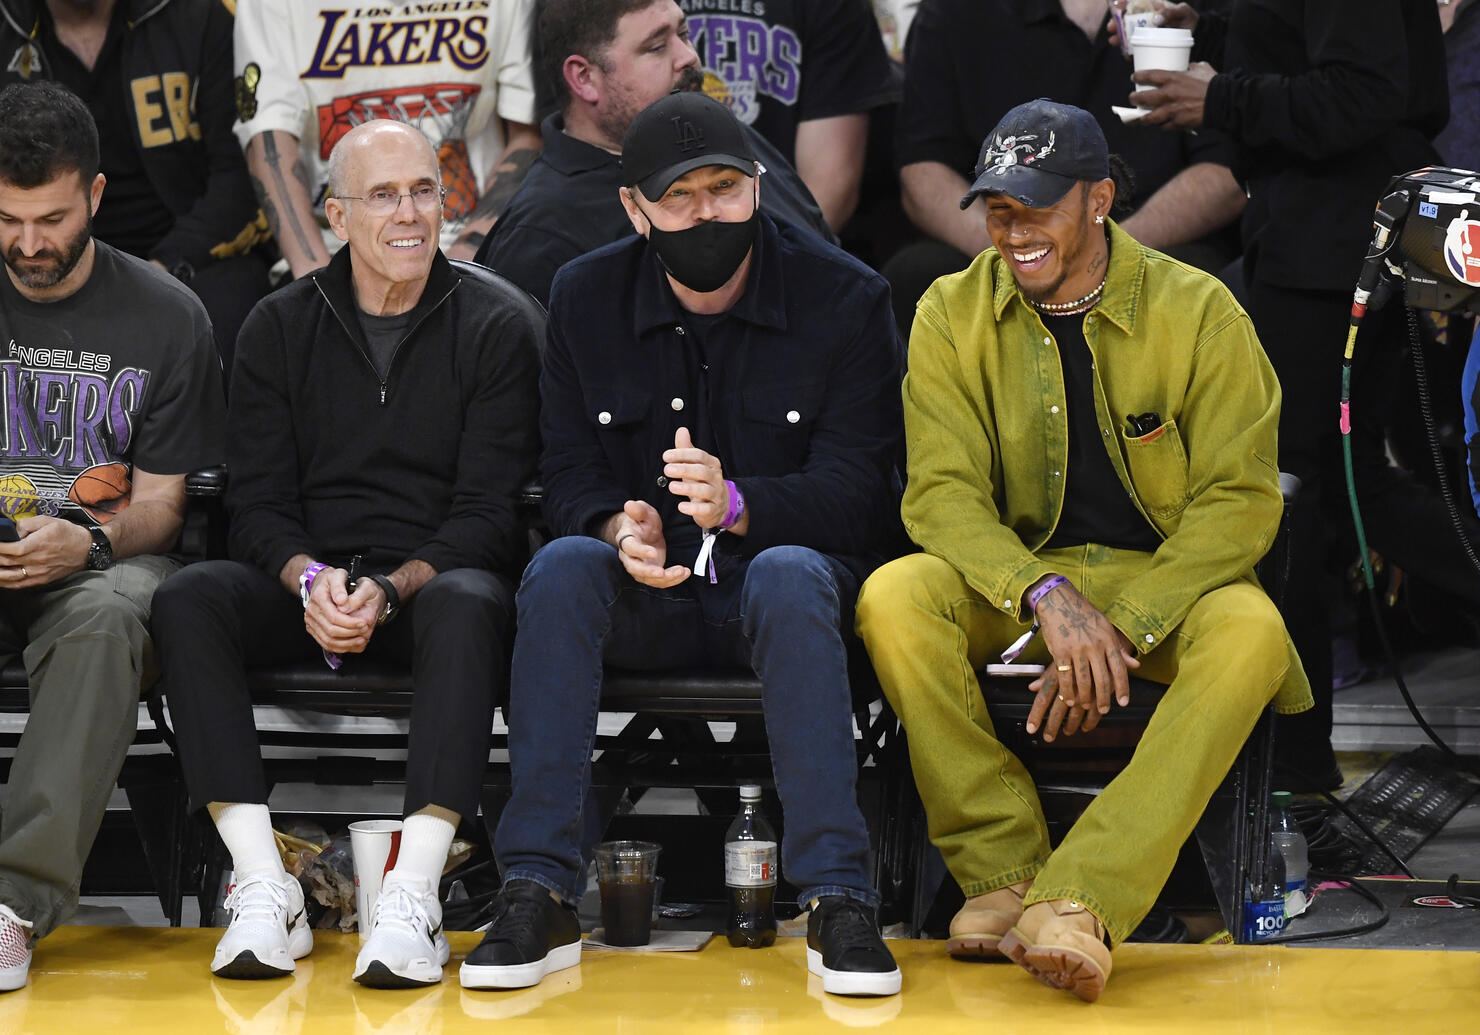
x=85, y=642
x=929, y=634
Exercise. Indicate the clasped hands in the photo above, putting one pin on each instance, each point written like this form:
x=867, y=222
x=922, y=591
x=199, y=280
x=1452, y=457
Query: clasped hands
x=1091, y=659
x=342, y=622
x=637, y=531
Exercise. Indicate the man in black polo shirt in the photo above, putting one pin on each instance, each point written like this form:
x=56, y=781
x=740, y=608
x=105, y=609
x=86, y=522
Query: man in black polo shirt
x=607, y=59
x=968, y=62
x=720, y=413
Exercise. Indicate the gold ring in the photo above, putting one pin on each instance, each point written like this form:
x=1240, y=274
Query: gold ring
x=1063, y=668
x=24, y=573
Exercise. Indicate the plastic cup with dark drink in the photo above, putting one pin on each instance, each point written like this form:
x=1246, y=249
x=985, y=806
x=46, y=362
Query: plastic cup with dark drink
x=625, y=872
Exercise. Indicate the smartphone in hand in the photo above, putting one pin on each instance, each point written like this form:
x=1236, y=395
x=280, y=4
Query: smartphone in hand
x=8, y=532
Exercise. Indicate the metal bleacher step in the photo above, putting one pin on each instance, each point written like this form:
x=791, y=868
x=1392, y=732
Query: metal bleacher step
x=1445, y=686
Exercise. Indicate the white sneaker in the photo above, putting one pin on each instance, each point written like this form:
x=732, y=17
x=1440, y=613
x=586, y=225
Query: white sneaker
x=406, y=947
x=268, y=929
x=15, y=950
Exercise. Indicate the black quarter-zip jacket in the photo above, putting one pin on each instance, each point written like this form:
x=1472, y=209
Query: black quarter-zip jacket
x=328, y=459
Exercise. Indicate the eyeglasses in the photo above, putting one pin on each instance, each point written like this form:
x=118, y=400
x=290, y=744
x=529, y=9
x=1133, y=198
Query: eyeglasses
x=383, y=201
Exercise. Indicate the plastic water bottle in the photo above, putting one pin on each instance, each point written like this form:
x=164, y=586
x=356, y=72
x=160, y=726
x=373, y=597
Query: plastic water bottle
x=750, y=873
x=1285, y=833
x=1264, y=904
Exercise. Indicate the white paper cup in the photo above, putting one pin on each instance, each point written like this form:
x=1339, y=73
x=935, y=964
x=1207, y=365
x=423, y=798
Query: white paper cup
x=375, y=844
x=1166, y=49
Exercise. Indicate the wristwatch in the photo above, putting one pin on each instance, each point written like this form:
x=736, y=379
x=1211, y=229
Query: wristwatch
x=392, y=598
x=100, y=553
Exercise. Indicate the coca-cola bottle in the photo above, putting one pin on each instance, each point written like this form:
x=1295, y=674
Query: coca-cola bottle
x=750, y=873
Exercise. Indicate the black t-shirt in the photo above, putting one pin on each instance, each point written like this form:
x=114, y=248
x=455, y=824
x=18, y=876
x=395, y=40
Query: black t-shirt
x=780, y=62
x=120, y=374
x=132, y=216
x=970, y=61
x=1097, y=509
x=382, y=335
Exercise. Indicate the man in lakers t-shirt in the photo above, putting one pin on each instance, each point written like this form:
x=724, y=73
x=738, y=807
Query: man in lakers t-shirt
x=309, y=72
x=110, y=391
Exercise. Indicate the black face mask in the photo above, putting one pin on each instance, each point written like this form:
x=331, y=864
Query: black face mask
x=704, y=257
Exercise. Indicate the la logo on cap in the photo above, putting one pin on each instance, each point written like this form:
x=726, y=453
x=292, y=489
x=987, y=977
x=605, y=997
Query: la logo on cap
x=686, y=135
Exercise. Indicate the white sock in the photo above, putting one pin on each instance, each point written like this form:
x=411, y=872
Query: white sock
x=425, y=840
x=247, y=830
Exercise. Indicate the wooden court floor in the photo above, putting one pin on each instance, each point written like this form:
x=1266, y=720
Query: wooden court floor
x=150, y=979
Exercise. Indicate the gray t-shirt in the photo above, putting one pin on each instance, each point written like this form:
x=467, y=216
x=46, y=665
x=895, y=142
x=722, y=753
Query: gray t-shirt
x=122, y=373
x=382, y=335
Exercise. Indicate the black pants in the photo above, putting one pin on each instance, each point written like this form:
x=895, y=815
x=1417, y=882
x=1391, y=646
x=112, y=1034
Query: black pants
x=1304, y=334
x=214, y=620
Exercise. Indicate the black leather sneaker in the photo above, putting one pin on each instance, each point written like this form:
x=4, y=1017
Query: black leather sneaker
x=845, y=949
x=532, y=934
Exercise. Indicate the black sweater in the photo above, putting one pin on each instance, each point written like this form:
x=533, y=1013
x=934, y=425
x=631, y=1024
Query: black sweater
x=327, y=459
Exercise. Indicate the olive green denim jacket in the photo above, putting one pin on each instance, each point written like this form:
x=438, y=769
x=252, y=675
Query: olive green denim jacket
x=988, y=441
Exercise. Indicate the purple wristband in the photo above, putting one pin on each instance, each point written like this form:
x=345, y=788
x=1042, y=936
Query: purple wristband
x=1043, y=591
x=305, y=580
x=737, y=505
x=305, y=588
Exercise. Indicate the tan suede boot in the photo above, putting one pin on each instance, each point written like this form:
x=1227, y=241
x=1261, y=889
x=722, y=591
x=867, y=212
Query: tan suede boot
x=978, y=928
x=1062, y=944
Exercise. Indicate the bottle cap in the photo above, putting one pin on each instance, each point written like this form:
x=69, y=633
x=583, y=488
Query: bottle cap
x=1280, y=799
x=750, y=792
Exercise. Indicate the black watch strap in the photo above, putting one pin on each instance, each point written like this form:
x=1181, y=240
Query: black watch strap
x=392, y=598
x=100, y=553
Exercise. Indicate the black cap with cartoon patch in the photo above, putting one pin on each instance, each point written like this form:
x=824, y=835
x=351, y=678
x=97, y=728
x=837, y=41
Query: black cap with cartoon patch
x=1038, y=151
x=677, y=134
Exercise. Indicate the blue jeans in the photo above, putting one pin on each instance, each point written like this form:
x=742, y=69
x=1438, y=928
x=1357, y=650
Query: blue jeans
x=783, y=615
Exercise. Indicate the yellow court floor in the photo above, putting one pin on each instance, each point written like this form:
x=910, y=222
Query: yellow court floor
x=143, y=979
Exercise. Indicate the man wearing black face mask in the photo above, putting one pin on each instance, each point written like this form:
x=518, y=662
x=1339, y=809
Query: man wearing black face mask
x=720, y=413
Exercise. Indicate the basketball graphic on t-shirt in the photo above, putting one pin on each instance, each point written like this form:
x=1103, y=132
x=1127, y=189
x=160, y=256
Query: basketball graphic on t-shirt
x=458, y=178
x=102, y=490
x=439, y=110
x=18, y=497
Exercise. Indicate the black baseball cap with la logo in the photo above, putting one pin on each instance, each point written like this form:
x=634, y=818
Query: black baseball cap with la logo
x=1038, y=151
x=680, y=133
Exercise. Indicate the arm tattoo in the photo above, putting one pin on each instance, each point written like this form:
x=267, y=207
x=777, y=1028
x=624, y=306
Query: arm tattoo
x=264, y=199
x=507, y=176
x=300, y=173
x=270, y=152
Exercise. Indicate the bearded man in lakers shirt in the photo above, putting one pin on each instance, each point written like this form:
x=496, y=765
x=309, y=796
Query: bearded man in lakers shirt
x=309, y=72
x=104, y=412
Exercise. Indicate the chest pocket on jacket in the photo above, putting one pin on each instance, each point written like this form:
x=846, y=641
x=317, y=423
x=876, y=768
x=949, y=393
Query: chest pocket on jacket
x=778, y=426
x=1158, y=469
x=615, y=409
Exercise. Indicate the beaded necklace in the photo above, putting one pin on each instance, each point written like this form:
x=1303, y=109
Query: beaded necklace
x=1079, y=305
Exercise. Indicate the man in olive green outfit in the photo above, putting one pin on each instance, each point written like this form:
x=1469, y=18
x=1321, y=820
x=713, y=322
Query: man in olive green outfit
x=1091, y=430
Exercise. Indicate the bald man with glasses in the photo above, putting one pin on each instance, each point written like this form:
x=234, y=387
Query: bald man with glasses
x=383, y=415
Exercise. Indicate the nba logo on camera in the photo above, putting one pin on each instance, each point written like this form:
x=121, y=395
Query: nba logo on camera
x=1462, y=250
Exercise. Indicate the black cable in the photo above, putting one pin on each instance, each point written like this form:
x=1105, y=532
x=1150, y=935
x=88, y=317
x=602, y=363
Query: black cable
x=1462, y=762
x=1350, y=884
x=1363, y=827
x=1420, y=373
